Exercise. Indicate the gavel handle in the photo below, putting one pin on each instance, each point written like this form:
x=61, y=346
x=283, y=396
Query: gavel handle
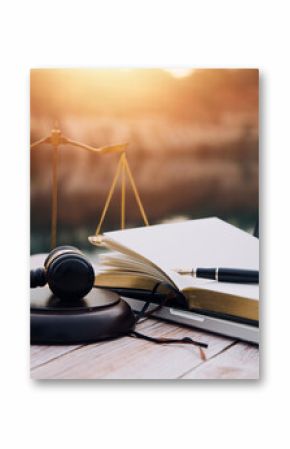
x=37, y=278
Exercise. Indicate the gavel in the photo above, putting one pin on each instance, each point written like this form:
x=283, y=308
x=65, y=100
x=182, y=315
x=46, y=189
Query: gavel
x=68, y=273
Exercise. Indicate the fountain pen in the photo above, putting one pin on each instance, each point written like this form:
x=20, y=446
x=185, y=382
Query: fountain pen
x=236, y=275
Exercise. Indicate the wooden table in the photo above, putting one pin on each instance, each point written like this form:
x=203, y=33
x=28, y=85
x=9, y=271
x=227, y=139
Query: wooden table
x=132, y=358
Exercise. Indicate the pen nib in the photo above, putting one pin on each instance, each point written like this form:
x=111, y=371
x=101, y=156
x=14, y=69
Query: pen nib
x=184, y=271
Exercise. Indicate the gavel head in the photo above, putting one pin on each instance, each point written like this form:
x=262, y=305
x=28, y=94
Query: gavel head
x=68, y=272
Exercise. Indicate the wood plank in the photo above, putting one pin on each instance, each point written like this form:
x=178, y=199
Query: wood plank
x=130, y=358
x=240, y=361
x=40, y=355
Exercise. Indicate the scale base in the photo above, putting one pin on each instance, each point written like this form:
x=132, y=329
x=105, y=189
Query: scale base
x=100, y=315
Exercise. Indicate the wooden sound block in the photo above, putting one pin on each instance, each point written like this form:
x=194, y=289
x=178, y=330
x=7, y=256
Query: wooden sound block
x=100, y=315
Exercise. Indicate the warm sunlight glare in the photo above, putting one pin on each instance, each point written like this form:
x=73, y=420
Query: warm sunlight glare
x=180, y=72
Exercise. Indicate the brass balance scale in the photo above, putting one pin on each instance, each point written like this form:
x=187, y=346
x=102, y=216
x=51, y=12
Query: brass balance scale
x=123, y=171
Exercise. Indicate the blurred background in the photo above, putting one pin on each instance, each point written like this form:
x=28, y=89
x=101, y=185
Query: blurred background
x=193, y=147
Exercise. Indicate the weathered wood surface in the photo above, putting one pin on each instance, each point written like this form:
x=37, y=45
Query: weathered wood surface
x=239, y=361
x=131, y=358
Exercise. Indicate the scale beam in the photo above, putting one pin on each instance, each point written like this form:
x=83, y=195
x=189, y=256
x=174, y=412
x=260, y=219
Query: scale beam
x=119, y=148
x=40, y=141
x=55, y=139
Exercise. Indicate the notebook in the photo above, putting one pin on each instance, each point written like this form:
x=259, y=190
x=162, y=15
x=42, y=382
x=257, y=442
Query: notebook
x=139, y=258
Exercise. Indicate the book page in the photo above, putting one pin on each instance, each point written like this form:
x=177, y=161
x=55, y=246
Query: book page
x=203, y=243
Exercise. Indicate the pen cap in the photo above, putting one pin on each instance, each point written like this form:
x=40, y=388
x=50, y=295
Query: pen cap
x=242, y=276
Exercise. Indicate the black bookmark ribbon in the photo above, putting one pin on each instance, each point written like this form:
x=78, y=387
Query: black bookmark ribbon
x=144, y=315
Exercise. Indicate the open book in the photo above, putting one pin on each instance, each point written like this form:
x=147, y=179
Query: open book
x=141, y=257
